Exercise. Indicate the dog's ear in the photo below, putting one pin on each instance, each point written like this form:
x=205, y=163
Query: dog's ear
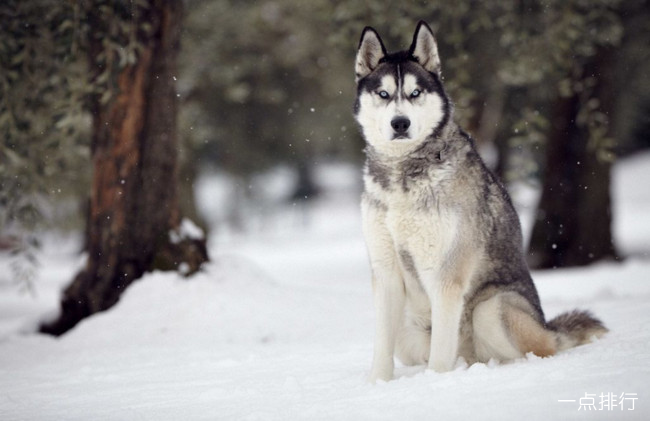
x=371, y=50
x=424, y=48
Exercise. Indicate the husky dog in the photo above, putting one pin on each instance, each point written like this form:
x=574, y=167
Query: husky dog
x=449, y=276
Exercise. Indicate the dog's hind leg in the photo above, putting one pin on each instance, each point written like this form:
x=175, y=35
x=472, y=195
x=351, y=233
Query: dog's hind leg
x=505, y=328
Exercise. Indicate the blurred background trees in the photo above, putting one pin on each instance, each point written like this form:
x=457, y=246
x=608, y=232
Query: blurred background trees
x=547, y=89
x=44, y=128
x=128, y=69
x=553, y=91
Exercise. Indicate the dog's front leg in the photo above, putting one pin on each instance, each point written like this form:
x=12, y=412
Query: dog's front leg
x=387, y=287
x=446, y=312
x=388, y=291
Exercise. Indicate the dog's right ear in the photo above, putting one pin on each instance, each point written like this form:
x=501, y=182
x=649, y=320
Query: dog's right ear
x=371, y=50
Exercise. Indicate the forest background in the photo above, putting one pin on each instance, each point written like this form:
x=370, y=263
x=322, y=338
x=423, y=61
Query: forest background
x=553, y=92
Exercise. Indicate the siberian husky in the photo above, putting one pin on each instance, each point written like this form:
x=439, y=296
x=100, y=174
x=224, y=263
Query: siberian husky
x=449, y=276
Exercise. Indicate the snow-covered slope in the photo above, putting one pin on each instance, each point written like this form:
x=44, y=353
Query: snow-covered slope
x=280, y=325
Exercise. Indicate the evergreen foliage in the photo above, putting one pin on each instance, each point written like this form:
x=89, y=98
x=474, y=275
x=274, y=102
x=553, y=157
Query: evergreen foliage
x=268, y=82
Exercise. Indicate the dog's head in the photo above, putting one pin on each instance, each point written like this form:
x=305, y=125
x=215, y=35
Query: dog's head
x=400, y=98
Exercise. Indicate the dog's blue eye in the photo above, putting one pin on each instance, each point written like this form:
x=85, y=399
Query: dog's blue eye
x=384, y=94
x=415, y=93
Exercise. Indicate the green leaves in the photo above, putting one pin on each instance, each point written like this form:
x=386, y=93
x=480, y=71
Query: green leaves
x=46, y=81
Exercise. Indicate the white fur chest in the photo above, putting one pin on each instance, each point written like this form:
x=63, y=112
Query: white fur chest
x=416, y=214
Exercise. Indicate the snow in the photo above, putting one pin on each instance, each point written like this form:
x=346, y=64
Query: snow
x=187, y=230
x=279, y=326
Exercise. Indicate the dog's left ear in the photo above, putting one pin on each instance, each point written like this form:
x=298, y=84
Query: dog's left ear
x=424, y=48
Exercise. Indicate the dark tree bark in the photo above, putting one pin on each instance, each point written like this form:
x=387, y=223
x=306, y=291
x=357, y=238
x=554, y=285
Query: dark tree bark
x=574, y=217
x=133, y=204
x=306, y=188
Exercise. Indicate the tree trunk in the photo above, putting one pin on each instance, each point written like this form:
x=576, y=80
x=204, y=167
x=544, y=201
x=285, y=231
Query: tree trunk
x=133, y=204
x=573, y=224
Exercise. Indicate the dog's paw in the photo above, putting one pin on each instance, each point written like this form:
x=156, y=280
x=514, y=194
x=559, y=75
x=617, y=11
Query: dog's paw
x=380, y=375
x=441, y=366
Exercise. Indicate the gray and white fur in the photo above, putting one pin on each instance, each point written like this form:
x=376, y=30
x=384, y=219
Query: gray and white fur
x=448, y=271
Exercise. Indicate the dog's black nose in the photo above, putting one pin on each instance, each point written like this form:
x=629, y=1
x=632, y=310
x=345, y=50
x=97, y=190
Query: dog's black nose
x=400, y=124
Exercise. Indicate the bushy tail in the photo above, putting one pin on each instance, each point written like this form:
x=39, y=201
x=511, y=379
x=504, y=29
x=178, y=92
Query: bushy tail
x=575, y=328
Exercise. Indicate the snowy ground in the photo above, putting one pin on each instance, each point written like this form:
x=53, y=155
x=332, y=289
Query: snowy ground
x=280, y=326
